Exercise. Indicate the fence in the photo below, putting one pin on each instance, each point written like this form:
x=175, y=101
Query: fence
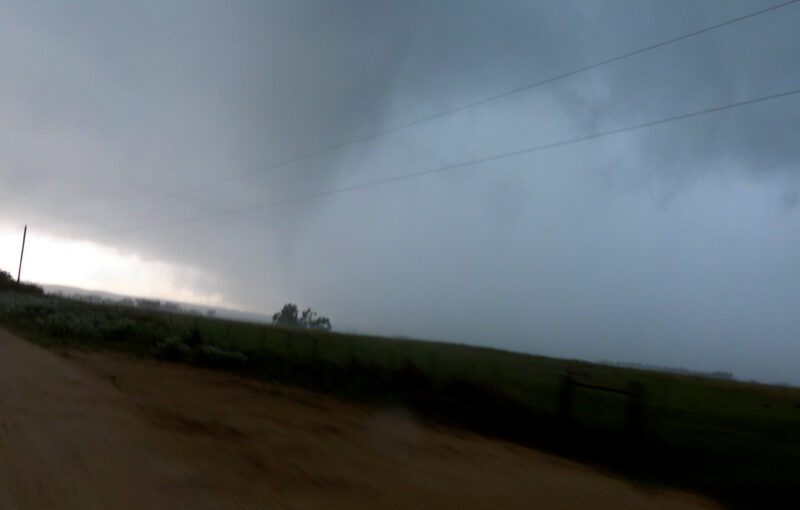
x=634, y=414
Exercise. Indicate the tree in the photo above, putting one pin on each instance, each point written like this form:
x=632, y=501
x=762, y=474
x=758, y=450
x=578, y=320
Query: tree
x=313, y=320
x=7, y=282
x=152, y=304
x=288, y=316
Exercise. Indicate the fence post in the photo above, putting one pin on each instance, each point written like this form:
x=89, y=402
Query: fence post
x=635, y=411
x=565, y=398
x=433, y=361
x=315, y=347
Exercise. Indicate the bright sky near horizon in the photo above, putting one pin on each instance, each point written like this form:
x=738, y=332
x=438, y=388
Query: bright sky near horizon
x=91, y=266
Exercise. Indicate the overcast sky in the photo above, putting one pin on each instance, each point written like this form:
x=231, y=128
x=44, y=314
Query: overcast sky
x=677, y=244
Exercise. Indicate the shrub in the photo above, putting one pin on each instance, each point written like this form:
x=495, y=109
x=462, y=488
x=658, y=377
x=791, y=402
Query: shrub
x=173, y=349
x=7, y=282
x=118, y=329
x=192, y=337
x=217, y=357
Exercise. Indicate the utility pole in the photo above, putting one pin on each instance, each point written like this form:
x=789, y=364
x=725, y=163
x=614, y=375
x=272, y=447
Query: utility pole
x=24, y=234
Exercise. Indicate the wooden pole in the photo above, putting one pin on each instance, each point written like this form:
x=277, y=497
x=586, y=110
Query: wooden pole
x=565, y=398
x=24, y=234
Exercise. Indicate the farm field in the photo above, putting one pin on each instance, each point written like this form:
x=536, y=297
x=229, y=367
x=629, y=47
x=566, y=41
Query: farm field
x=734, y=442
x=105, y=430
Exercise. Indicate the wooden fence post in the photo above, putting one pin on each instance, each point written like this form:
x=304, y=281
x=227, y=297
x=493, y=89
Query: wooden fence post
x=433, y=362
x=635, y=411
x=565, y=398
x=315, y=347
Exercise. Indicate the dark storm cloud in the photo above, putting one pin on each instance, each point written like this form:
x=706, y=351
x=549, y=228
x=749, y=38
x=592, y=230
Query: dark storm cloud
x=672, y=245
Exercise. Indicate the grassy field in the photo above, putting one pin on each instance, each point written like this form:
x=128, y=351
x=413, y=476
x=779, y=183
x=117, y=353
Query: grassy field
x=736, y=442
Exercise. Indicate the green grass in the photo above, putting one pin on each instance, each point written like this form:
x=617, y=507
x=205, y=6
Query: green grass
x=736, y=442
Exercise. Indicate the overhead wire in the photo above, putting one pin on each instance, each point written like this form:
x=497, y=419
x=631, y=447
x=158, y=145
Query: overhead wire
x=309, y=155
x=454, y=166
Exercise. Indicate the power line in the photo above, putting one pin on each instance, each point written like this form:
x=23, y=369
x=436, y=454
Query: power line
x=440, y=169
x=444, y=113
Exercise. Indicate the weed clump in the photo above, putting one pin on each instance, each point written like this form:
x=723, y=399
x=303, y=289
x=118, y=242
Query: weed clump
x=173, y=349
x=188, y=347
x=212, y=356
x=192, y=337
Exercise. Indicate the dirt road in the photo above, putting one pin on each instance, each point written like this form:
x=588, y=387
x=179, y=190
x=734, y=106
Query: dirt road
x=86, y=431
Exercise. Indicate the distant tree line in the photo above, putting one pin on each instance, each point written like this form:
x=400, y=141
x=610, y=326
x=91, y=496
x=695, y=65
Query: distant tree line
x=290, y=316
x=719, y=374
x=7, y=282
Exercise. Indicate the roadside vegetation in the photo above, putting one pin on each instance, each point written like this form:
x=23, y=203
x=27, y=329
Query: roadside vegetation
x=8, y=284
x=736, y=442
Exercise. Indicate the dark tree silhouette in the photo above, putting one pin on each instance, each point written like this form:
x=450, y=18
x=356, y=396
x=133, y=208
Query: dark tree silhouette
x=8, y=283
x=313, y=320
x=288, y=316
